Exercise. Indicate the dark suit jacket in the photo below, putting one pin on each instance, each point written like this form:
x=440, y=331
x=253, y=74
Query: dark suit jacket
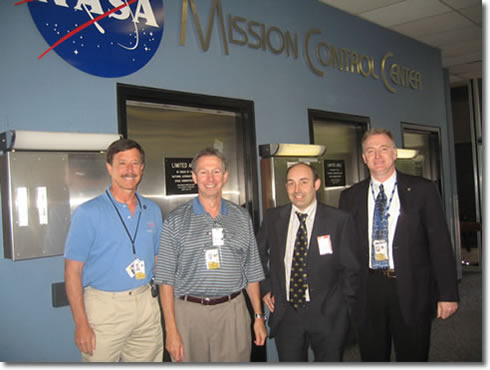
x=424, y=260
x=332, y=278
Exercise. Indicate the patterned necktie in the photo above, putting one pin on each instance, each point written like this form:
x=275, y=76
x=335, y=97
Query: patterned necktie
x=379, y=256
x=298, y=280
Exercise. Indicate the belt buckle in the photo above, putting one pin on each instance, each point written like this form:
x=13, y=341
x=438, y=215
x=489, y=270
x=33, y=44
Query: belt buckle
x=205, y=301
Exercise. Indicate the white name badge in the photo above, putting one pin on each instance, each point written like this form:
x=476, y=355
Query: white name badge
x=218, y=237
x=139, y=269
x=380, y=250
x=212, y=259
x=324, y=244
x=136, y=269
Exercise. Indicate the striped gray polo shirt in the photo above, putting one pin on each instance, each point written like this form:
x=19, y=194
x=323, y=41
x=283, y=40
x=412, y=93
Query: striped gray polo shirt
x=185, y=238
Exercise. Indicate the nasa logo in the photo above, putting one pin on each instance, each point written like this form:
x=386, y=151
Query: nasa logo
x=106, y=38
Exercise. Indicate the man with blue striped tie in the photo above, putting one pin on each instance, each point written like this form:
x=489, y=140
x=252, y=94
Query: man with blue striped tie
x=409, y=269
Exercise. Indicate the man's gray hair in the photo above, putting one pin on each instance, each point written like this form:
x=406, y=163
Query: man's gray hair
x=209, y=152
x=377, y=131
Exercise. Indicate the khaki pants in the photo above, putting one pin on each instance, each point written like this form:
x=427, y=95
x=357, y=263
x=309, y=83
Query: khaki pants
x=219, y=333
x=127, y=325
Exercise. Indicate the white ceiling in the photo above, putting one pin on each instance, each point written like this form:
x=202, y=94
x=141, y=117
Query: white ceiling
x=454, y=26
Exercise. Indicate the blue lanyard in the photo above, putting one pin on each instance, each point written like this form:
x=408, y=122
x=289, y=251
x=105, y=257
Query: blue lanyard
x=380, y=220
x=132, y=239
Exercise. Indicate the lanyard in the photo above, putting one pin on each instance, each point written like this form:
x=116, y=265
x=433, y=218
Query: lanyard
x=132, y=239
x=380, y=220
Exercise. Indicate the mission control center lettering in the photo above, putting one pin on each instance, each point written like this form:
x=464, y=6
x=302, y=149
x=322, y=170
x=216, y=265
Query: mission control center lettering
x=319, y=54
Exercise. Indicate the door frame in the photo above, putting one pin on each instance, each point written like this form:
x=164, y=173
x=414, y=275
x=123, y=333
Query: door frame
x=243, y=108
x=432, y=130
x=362, y=121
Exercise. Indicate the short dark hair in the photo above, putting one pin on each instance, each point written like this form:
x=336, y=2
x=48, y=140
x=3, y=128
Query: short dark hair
x=377, y=131
x=122, y=145
x=314, y=171
x=208, y=152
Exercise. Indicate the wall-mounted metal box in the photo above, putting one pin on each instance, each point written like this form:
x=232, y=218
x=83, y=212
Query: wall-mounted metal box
x=40, y=190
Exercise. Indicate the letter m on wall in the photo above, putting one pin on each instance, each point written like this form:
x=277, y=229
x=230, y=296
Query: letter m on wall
x=216, y=8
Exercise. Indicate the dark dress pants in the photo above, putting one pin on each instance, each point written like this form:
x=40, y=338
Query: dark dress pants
x=306, y=327
x=384, y=323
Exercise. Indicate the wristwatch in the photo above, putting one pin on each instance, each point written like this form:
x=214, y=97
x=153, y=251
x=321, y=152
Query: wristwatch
x=260, y=316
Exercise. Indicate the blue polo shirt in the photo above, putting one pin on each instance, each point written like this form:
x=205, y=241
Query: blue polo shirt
x=98, y=238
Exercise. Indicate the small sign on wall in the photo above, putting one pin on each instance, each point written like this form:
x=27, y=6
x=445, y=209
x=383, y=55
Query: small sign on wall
x=334, y=172
x=178, y=176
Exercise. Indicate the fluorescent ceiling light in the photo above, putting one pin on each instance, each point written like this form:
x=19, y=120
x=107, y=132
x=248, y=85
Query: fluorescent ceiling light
x=55, y=141
x=291, y=150
x=406, y=153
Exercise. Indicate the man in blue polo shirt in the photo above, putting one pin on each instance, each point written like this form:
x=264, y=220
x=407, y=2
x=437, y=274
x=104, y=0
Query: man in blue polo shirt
x=208, y=254
x=110, y=254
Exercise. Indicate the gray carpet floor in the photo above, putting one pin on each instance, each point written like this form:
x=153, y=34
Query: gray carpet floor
x=459, y=338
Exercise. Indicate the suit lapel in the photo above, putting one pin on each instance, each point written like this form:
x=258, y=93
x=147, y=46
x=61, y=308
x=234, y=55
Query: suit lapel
x=363, y=218
x=282, y=224
x=404, y=191
x=320, y=219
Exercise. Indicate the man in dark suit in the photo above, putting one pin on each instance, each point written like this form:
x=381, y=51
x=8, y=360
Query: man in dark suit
x=309, y=292
x=409, y=270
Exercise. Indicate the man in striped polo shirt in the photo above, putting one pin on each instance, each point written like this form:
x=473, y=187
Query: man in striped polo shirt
x=208, y=255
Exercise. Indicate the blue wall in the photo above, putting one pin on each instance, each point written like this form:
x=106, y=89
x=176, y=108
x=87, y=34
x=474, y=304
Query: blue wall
x=51, y=95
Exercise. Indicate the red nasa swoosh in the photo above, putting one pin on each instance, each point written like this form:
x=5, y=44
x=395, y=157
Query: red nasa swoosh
x=79, y=28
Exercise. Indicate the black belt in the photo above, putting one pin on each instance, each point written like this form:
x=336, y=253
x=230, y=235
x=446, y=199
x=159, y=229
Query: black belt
x=210, y=301
x=389, y=273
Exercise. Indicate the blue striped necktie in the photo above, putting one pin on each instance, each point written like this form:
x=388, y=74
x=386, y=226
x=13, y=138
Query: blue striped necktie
x=380, y=231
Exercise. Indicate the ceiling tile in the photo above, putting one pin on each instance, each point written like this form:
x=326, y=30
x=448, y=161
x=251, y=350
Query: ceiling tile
x=460, y=4
x=453, y=26
x=465, y=48
x=435, y=24
x=467, y=68
x=468, y=58
x=449, y=37
x=356, y=7
x=474, y=13
x=406, y=11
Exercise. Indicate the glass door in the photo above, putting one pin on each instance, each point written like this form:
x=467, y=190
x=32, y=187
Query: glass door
x=342, y=161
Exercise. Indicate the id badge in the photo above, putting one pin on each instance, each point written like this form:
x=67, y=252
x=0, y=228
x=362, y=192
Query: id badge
x=136, y=269
x=139, y=269
x=218, y=237
x=212, y=259
x=324, y=244
x=380, y=250
x=130, y=270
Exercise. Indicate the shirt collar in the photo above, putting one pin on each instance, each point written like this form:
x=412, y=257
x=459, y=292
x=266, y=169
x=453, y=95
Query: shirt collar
x=198, y=208
x=388, y=184
x=139, y=199
x=310, y=210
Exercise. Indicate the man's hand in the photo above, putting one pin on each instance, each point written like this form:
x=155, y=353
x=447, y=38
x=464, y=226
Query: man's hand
x=85, y=339
x=269, y=301
x=260, y=331
x=175, y=346
x=446, y=309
